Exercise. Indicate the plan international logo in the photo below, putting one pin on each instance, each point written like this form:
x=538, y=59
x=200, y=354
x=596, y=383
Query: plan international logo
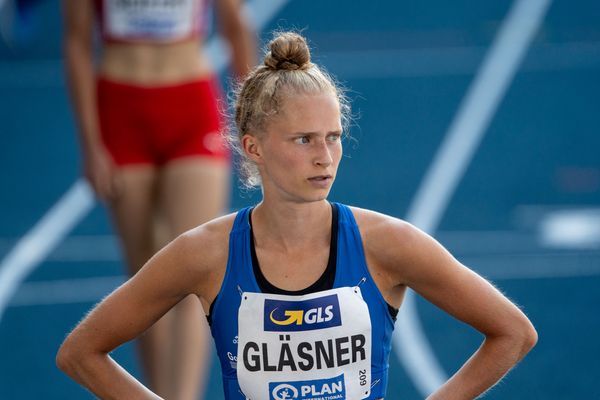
x=289, y=316
x=319, y=389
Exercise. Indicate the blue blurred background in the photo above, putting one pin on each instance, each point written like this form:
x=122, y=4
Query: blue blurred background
x=525, y=213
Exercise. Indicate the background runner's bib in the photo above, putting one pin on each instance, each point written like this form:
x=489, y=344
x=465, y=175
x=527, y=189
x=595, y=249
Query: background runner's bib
x=156, y=19
x=316, y=346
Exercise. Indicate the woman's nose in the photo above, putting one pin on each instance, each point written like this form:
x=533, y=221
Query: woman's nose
x=323, y=154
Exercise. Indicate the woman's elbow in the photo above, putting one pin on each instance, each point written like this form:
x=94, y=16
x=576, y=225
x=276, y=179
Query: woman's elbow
x=517, y=337
x=65, y=357
x=525, y=336
x=530, y=336
x=69, y=356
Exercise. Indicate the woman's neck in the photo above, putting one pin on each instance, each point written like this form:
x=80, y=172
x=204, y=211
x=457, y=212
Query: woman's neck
x=291, y=225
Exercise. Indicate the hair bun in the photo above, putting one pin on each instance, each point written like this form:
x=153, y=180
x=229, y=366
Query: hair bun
x=288, y=51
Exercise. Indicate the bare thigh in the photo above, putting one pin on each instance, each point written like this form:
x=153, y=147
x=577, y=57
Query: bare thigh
x=192, y=191
x=133, y=213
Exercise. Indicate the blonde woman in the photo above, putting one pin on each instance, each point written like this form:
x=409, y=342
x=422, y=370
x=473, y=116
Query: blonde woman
x=301, y=293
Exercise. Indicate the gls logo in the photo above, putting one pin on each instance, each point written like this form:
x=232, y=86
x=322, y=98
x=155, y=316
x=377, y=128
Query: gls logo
x=313, y=315
x=318, y=313
x=328, y=389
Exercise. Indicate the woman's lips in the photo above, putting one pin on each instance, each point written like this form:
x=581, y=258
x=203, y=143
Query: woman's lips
x=321, y=181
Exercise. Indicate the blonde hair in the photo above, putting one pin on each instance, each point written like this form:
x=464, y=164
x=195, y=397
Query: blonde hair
x=286, y=70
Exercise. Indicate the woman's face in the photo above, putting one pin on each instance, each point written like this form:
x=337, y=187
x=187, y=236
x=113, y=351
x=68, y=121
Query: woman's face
x=301, y=148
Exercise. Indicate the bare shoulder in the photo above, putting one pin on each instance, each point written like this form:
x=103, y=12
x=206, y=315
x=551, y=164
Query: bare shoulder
x=201, y=255
x=379, y=229
x=206, y=245
x=394, y=246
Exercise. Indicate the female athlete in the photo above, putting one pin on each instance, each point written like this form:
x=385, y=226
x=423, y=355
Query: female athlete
x=301, y=293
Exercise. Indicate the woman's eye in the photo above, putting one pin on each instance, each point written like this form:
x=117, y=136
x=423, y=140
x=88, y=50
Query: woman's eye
x=334, y=138
x=301, y=140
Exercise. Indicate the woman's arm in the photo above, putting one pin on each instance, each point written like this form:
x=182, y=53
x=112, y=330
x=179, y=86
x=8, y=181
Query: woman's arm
x=411, y=258
x=235, y=29
x=79, y=62
x=167, y=278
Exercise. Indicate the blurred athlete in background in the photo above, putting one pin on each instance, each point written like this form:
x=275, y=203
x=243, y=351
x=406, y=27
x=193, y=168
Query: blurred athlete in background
x=149, y=120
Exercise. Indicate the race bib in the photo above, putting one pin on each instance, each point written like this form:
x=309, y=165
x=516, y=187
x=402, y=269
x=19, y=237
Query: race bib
x=311, y=347
x=154, y=19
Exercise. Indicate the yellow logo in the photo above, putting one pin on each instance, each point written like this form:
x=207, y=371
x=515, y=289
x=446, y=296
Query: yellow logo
x=293, y=316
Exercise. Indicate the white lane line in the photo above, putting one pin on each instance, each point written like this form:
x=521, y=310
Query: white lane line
x=91, y=290
x=475, y=113
x=259, y=13
x=449, y=61
x=42, y=238
x=34, y=247
x=449, y=165
x=359, y=64
x=463, y=244
x=66, y=291
x=539, y=268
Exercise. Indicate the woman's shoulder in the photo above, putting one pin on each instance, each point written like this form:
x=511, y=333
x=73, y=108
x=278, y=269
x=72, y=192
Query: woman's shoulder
x=208, y=242
x=387, y=237
x=398, y=247
x=375, y=224
x=215, y=227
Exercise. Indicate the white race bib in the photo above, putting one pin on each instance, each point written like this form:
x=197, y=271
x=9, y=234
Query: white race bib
x=155, y=19
x=311, y=347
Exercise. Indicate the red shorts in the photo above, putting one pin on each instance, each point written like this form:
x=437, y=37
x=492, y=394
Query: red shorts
x=154, y=125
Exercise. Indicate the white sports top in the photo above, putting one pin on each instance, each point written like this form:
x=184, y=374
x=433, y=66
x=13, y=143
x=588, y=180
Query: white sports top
x=152, y=20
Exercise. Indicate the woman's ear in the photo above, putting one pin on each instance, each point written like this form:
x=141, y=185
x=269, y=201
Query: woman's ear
x=252, y=148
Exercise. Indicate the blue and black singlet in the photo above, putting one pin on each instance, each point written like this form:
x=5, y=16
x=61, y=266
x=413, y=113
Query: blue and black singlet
x=346, y=267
